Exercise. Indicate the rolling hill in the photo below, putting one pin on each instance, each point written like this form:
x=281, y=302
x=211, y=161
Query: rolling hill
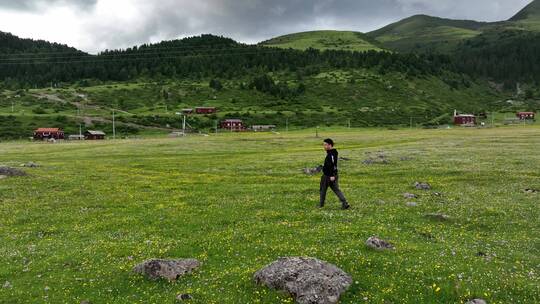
x=324, y=40
x=426, y=33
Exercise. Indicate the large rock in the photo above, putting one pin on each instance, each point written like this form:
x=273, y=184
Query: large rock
x=422, y=186
x=308, y=280
x=410, y=195
x=8, y=171
x=477, y=301
x=378, y=244
x=167, y=269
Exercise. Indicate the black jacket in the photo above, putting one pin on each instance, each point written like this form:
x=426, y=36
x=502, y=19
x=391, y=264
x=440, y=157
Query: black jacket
x=330, y=163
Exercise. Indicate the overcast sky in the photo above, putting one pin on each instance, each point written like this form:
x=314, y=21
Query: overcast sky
x=95, y=25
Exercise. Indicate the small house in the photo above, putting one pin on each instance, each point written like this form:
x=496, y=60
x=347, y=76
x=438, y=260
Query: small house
x=205, y=110
x=464, y=119
x=76, y=137
x=526, y=115
x=48, y=133
x=233, y=125
x=263, y=128
x=94, y=135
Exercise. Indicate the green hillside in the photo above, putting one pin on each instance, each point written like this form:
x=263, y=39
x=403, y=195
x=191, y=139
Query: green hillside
x=426, y=33
x=324, y=40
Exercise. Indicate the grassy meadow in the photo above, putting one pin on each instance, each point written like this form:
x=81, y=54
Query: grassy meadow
x=73, y=228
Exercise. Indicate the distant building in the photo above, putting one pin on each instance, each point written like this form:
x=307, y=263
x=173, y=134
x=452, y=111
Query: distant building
x=205, y=110
x=263, y=128
x=187, y=111
x=526, y=115
x=48, y=133
x=94, y=135
x=464, y=119
x=233, y=125
x=76, y=137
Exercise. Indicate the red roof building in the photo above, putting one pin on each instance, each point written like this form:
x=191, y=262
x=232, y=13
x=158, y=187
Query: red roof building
x=464, y=119
x=48, y=133
x=233, y=125
x=526, y=115
x=205, y=110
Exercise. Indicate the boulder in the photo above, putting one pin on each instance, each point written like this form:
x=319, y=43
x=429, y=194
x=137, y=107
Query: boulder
x=8, y=171
x=410, y=195
x=307, y=280
x=30, y=165
x=184, y=297
x=171, y=270
x=422, y=186
x=379, y=244
x=438, y=216
x=477, y=301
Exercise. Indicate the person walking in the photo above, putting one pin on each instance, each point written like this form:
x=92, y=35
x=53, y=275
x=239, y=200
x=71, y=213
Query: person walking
x=330, y=175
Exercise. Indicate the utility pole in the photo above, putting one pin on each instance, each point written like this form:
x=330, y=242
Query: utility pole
x=287, y=124
x=349, y=123
x=215, y=126
x=184, y=126
x=317, y=132
x=411, y=122
x=113, y=125
x=492, y=119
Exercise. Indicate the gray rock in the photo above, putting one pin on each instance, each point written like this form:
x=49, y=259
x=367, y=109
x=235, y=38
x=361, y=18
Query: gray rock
x=184, y=297
x=7, y=285
x=30, y=165
x=171, y=270
x=530, y=191
x=378, y=244
x=422, y=186
x=8, y=171
x=438, y=216
x=3, y=176
x=410, y=195
x=477, y=301
x=308, y=280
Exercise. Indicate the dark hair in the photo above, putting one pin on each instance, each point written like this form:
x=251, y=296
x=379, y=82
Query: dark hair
x=329, y=141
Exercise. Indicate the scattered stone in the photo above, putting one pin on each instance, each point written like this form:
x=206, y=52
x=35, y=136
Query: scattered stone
x=411, y=204
x=378, y=161
x=477, y=301
x=422, y=186
x=47, y=288
x=7, y=171
x=378, y=244
x=312, y=171
x=30, y=165
x=7, y=285
x=184, y=297
x=171, y=270
x=308, y=280
x=438, y=216
x=410, y=195
x=531, y=191
x=437, y=193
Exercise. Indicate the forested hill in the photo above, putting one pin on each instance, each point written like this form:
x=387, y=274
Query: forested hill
x=11, y=44
x=201, y=57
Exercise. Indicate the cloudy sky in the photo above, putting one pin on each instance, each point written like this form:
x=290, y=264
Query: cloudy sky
x=94, y=25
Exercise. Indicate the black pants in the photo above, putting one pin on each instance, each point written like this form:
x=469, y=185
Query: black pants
x=334, y=185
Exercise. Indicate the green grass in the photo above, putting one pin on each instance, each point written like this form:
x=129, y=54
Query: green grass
x=324, y=40
x=237, y=202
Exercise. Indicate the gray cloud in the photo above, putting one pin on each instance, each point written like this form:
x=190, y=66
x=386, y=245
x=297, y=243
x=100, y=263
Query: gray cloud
x=31, y=5
x=255, y=20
